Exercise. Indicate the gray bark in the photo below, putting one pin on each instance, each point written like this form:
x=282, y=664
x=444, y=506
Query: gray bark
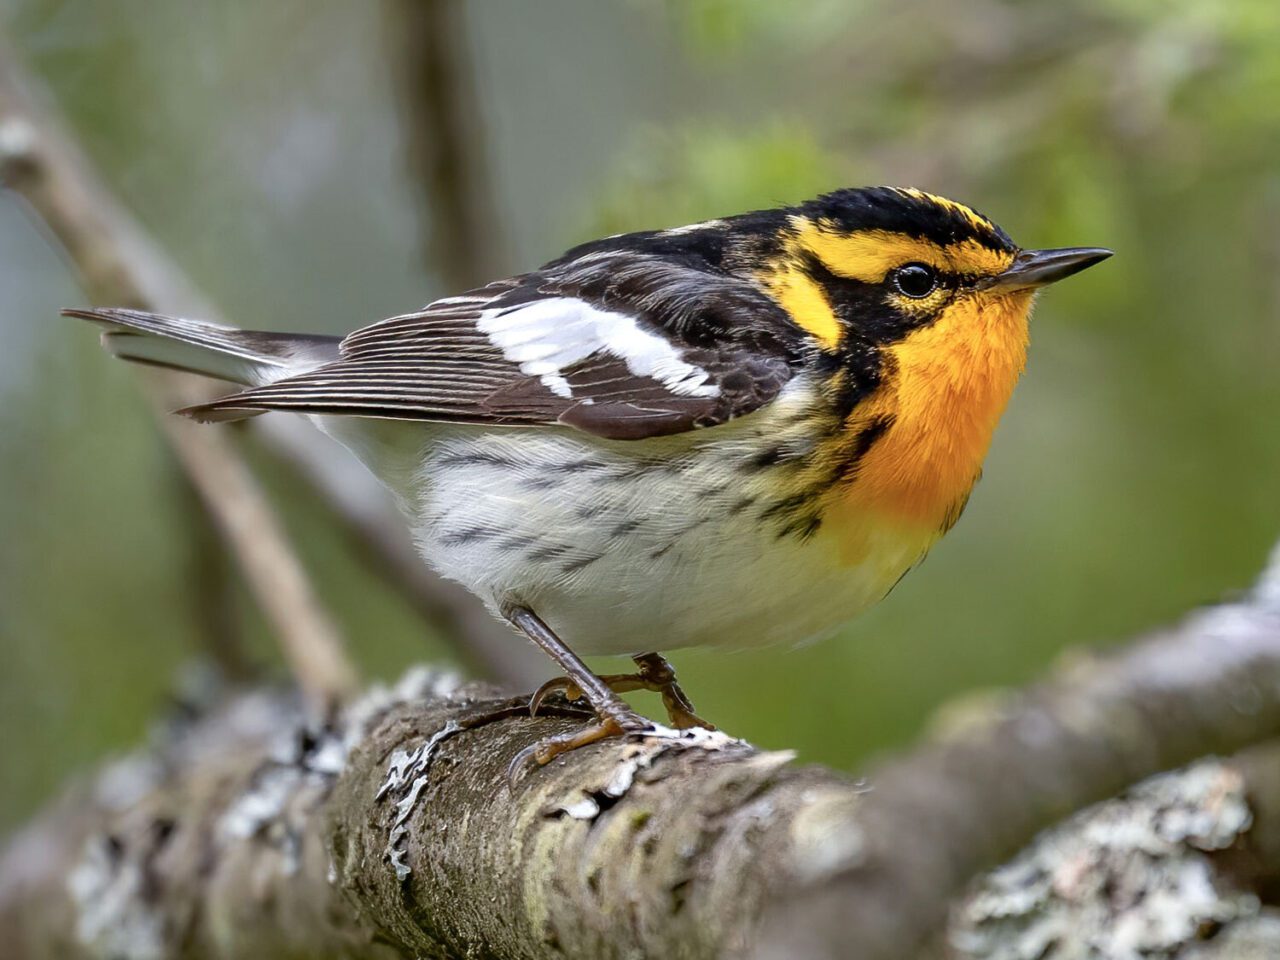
x=396, y=831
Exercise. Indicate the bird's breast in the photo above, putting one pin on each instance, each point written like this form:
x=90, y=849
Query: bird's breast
x=943, y=391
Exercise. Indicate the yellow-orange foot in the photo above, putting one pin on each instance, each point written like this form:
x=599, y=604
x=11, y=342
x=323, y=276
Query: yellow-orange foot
x=654, y=673
x=612, y=724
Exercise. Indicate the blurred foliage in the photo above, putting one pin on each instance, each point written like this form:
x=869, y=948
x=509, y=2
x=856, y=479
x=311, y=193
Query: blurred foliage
x=689, y=175
x=1135, y=475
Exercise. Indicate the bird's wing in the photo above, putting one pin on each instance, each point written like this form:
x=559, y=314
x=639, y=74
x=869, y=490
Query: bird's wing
x=615, y=343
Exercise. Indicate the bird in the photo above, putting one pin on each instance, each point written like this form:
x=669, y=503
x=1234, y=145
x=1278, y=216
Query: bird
x=739, y=432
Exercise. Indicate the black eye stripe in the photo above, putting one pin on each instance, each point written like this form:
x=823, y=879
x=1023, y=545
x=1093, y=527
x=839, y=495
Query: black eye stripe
x=862, y=307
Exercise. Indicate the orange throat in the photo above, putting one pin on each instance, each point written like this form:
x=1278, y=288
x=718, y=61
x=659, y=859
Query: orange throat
x=945, y=387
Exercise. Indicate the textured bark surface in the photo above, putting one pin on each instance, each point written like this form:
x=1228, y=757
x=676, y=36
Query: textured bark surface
x=396, y=832
x=245, y=835
x=943, y=813
x=1170, y=869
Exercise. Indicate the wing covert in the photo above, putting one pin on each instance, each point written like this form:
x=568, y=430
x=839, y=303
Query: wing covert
x=621, y=345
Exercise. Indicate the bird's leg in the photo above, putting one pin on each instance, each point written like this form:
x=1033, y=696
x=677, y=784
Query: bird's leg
x=654, y=673
x=613, y=717
x=656, y=670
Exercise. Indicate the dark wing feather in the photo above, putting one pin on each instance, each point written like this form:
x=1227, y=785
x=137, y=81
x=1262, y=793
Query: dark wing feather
x=620, y=343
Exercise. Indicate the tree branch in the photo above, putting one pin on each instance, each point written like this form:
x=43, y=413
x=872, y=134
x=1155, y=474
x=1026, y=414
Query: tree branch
x=313, y=647
x=1211, y=685
x=430, y=57
x=396, y=831
x=119, y=264
x=485, y=647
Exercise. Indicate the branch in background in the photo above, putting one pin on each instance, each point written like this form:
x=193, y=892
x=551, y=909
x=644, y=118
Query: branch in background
x=395, y=832
x=1212, y=685
x=43, y=165
x=120, y=265
x=210, y=582
x=375, y=527
x=428, y=51
x=1174, y=868
x=442, y=131
x=312, y=645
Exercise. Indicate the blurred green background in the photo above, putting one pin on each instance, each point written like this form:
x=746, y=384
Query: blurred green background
x=1136, y=474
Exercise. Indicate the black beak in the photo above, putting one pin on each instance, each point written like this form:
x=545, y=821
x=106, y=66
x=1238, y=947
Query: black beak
x=1035, y=268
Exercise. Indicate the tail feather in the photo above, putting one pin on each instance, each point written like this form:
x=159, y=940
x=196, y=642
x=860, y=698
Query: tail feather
x=249, y=357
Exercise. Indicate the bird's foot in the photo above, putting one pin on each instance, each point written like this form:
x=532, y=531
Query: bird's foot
x=610, y=722
x=654, y=673
x=613, y=717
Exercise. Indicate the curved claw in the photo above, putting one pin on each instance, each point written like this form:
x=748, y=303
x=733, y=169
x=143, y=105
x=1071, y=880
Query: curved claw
x=660, y=680
x=544, y=751
x=521, y=764
x=562, y=685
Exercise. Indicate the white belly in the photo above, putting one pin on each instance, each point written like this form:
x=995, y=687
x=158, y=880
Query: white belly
x=617, y=550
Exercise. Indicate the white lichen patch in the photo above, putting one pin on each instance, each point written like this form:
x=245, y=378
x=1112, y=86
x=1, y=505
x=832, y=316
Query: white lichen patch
x=407, y=776
x=637, y=755
x=419, y=684
x=1250, y=938
x=1128, y=879
x=124, y=782
x=408, y=771
x=305, y=763
x=114, y=916
x=273, y=808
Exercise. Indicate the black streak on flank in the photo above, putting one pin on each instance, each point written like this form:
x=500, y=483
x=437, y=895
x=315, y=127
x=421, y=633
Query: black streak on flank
x=458, y=538
x=770, y=457
x=517, y=542
x=574, y=466
x=549, y=552
x=847, y=468
x=799, y=513
x=713, y=492
x=469, y=458
x=663, y=551
x=627, y=526
x=802, y=527
x=590, y=511
x=574, y=566
x=676, y=538
x=789, y=505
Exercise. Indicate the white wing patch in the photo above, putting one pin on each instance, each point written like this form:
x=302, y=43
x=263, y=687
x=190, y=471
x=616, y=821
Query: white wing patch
x=693, y=228
x=548, y=336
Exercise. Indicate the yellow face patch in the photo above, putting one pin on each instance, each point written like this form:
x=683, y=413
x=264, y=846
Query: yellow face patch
x=805, y=300
x=869, y=255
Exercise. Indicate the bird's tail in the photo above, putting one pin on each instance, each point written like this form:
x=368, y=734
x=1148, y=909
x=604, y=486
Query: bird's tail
x=250, y=357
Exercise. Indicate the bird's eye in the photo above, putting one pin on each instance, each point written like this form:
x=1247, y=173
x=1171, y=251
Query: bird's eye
x=915, y=280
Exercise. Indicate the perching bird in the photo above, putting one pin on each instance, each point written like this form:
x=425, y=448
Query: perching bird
x=738, y=432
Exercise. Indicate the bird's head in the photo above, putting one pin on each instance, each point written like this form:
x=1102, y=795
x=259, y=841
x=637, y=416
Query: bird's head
x=918, y=307
x=874, y=265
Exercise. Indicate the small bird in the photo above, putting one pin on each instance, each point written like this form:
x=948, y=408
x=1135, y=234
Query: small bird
x=738, y=432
